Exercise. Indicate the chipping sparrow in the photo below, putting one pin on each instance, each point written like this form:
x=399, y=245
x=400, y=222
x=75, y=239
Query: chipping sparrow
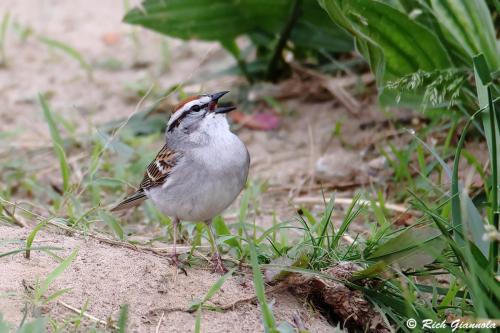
x=199, y=171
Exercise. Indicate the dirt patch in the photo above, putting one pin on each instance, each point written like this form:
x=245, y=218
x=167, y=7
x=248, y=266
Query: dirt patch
x=108, y=276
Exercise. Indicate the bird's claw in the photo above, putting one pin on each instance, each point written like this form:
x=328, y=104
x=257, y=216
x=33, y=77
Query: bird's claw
x=218, y=265
x=175, y=261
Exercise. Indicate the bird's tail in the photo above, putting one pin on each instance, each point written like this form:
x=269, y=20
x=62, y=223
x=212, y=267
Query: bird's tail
x=131, y=201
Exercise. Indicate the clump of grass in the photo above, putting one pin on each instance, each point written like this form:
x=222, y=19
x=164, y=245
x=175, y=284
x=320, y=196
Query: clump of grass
x=39, y=293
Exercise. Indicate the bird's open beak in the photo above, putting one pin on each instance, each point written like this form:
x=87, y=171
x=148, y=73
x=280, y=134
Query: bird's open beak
x=225, y=109
x=215, y=97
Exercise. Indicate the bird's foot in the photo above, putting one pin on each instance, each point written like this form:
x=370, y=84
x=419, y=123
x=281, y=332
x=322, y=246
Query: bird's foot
x=179, y=264
x=218, y=265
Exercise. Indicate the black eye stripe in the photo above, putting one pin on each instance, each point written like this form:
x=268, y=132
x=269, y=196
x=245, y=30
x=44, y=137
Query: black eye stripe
x=177, y=122
x=198, y=108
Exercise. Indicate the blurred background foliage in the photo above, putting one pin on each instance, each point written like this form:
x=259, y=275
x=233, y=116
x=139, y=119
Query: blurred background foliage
x=299, y=26
x=419, y=51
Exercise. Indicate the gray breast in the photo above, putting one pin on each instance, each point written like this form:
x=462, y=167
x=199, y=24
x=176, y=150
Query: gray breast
x=206, y=181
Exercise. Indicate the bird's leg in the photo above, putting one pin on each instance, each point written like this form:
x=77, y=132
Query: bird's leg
x=216, y=258
x=174, y=257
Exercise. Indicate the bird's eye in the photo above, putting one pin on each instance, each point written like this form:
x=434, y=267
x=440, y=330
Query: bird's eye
x=195, y=108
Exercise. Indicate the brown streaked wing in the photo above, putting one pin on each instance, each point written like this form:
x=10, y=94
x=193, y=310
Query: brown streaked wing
x=158, y=170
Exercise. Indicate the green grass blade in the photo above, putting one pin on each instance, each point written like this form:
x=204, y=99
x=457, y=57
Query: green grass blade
x=323, y=225
x=213, y=290
x=197, y=323
x=122, y=319
x=469, y=25
x=31, y=237
x=36, y=248
x=3, y=32
x=349, y=217
x=55, y=273
x=56, y=294
x=456, y=209
x=217, y=285
x=197, y=306
x=70, y=51
x=56, y=141
x=113, y=223
x=494, y=188
x=491, y=128
x=64, y=165
x=258, y=281
x=35, y=326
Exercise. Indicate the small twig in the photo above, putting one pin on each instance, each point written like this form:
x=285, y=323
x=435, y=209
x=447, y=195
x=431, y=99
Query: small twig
x=336, y=86
x=86, y=315
x=322, y=186
x=348, y=201
x=272, y=290
x=156, y=250
x=159, y=322
x=279, y=287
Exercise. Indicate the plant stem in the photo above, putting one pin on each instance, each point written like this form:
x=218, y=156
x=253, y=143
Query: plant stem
x=243, y=68
x=272, y=68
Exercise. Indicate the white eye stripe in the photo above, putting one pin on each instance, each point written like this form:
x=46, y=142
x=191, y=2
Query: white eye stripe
x=186, y=107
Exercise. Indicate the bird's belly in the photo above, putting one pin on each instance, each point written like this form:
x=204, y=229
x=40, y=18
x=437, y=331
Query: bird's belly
x=196, y=200
x=203, y=186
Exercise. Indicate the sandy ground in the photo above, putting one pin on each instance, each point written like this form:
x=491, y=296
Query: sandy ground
x=108, y=276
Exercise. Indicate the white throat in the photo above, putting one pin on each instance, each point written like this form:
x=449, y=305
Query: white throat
x=212, y=127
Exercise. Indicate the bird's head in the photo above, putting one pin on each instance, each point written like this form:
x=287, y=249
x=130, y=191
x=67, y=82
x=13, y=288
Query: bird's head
x=189, y=113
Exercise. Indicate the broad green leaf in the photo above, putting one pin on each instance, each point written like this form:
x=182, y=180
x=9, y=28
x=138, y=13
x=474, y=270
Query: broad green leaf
x=470, y=24
x=482, y=69
x=223, y=21
x=407, y=46
x=314, y=29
